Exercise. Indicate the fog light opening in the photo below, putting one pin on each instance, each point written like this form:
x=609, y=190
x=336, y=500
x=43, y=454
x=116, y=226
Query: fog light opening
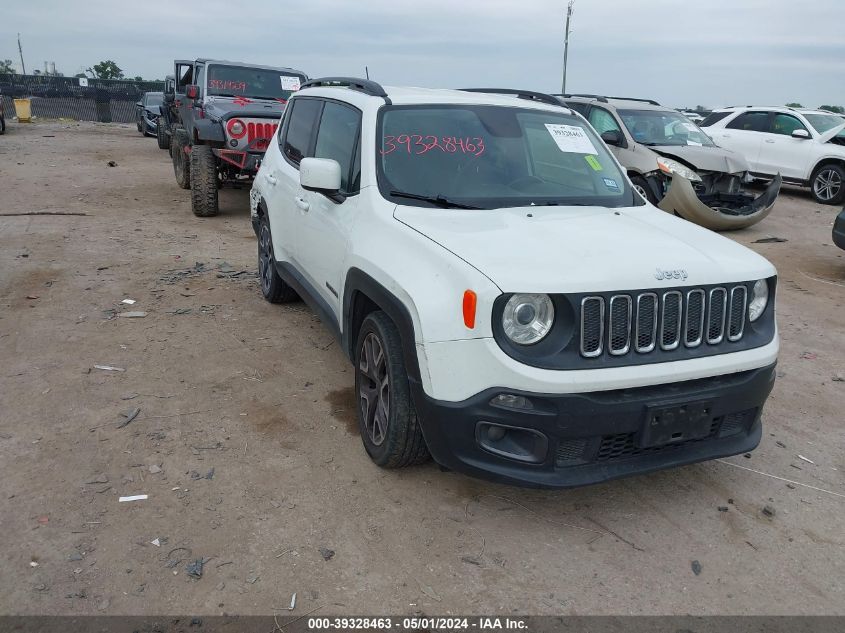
x=512, y=401
x=512, y=442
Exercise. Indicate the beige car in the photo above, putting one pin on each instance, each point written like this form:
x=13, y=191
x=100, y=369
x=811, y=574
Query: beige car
x=674, y=164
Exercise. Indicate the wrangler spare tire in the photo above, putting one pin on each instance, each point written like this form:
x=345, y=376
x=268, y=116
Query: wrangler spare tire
x=204, y=201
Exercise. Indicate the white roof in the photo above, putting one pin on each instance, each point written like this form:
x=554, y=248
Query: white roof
x=405, y=95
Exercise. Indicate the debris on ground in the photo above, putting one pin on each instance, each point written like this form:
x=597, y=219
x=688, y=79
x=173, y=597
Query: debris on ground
x=99, y=479
x=292, y=602
x=809, y=356
x=154, y=469
x=156, y=542
x=133, y=498
x=252, y=578
x=770, y=240
x=722, y=508
x=838, y=378
x=129, y=301
x=132, y=314
x=326, y=553
x=781, y=444
x=696, y=567
x=112, y=163
x=194, y=568
x=804, y=459
x=128, y=416
x=109, y=368
x=768, y=511
x=429, y=592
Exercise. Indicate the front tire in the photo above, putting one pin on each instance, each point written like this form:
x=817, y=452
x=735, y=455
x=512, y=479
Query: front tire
x=644, y=189
x=181, y=166
x=204, y=201
x=828, y=184
x=387, y=419
x=161, y=136
x=273, y=287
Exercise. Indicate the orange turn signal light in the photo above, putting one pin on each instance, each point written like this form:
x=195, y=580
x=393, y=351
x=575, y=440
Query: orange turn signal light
x=470, y=302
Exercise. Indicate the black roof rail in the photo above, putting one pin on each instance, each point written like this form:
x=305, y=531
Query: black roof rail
x=542, y=97
x=596, y=97
x=651, y=101
x=367, y=86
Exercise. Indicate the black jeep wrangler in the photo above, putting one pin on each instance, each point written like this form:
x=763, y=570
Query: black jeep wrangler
x=224, y=115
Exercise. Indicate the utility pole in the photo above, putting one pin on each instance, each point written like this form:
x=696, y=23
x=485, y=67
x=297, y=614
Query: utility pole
x=20, y=50
x=566, y=44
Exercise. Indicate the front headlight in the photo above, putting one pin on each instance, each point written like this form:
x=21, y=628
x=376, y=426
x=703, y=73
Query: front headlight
x=669, y=167
x=528, y=318
x=759, y=300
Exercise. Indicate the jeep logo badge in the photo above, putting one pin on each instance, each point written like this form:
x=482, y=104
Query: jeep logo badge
x=678, y=273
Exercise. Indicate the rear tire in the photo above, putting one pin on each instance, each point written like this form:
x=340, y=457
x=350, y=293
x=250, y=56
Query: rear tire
x=2, y=125
x=181, y=165
x=828, y=184
x=161, y=135
x=204, y=202
x=387, y=419
x=273, y=287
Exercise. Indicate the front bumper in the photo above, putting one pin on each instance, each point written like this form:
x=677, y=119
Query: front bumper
x=839, y=230
x=586, y=438
x=246, y=162
x=741, y=210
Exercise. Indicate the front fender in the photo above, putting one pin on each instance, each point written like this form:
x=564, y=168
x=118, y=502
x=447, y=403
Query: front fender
x=209, y=131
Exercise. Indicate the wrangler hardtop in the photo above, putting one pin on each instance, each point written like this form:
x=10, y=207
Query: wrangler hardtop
x=223, y=115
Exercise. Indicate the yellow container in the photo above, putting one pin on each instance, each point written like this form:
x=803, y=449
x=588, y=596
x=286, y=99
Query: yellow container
x=23, y=108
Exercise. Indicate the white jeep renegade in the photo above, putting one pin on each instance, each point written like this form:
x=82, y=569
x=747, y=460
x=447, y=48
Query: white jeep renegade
x=511, y=305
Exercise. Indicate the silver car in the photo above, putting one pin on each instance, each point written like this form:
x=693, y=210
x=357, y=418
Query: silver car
x=674, y=164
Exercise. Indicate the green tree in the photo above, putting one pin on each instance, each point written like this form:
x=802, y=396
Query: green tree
x=794, y=105
x=830, y=108
x=81, y=76
x=6, y=67
x=106, y=70
x=139, y=78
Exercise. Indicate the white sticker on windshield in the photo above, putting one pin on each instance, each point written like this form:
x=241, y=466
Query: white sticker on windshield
x=694, y=144
x=289, y=83
x=571, y=139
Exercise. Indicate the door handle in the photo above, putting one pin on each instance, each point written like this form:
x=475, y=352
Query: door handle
x=302, y=203
x=270, y=179
x=768, y=140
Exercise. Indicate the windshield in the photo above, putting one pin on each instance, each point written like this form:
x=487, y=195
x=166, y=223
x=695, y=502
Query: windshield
x=153, y=98
x=258, y=83
x=493, y=156
x=825, y=122
x=659, y=127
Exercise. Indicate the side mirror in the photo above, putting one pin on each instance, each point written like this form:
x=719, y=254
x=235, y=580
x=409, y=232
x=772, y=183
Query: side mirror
x=192, y=91
x=169, y=97
x=612, y=137
x=800, y=134
x=320, y=174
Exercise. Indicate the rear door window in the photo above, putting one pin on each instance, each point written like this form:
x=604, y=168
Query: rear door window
x=297, y=143
x=750, y=122
x=713, y=117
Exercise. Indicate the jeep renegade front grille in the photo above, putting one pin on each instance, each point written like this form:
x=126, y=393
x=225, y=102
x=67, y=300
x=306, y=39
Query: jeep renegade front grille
x=642, y=322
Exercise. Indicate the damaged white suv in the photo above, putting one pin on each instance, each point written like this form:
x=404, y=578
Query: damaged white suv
x=511, y=305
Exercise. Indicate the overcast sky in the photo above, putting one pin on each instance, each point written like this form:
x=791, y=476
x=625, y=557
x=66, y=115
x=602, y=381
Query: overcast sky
x=681, y=52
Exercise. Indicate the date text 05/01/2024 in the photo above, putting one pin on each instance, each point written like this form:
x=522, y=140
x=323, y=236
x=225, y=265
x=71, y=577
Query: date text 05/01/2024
x=481, y=623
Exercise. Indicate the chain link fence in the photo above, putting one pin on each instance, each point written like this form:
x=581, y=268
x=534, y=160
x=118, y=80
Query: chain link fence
x=104, y=100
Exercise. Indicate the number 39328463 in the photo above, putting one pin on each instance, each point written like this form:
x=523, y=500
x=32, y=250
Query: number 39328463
x=419, y=144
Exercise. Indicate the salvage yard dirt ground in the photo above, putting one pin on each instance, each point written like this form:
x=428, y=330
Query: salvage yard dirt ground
x=247, y=447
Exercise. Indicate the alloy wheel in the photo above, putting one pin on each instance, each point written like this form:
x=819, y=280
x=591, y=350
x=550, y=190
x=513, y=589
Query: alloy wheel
x=265, y=258
x=374, y=389
x=827, y=185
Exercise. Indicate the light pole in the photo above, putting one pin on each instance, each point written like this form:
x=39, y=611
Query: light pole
x=566, y=44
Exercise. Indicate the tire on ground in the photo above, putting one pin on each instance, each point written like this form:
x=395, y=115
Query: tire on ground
x=403, y=443
x=181, y=165
x=641, y=183
x=273, y=287
x=204, y=201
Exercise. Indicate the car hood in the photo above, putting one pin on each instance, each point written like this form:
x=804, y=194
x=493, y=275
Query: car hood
x=706, y=158
x=585, y=249
x=224, y=107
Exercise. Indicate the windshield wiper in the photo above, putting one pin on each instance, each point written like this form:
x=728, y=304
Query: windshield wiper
x=439, y=200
